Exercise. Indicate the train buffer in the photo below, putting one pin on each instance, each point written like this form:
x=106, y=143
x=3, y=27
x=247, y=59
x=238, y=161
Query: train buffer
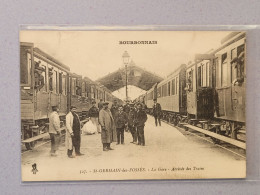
x=217, y=136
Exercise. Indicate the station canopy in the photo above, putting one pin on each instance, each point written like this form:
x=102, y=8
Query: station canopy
x=136, y=76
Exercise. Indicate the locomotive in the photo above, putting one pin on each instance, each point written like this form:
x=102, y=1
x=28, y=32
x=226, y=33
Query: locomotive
x=211, y=89
x=46, y=82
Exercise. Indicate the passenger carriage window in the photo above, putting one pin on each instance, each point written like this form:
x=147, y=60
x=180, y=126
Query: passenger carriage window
x=173, y=86
x=176, y=86
x=189, y=79
x=199, y=77
x=25, y=68
x=73, y=86
x=50, y=79
x=224, y=72
x=78, y=87
x=60, y=82
x=169, y=88
x=202, y=75
x=233, y=64
x=64, y=88
x=55, y=75
x=159, y=92
x=40, y=77
x=207, y=70
x=164, y=90
x=83, y=88
x=87, y=89
x=240, y=63
x=94, y=93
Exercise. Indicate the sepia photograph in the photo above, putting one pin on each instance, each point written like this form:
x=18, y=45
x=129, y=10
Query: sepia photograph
x=132, y=105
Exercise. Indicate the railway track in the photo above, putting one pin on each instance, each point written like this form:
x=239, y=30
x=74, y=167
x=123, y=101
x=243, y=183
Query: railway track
x=226, y=146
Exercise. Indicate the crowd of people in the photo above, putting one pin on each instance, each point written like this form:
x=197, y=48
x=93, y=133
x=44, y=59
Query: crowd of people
x=110, y=123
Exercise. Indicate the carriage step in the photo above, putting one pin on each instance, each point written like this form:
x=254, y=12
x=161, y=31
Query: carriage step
x=35, y=138
x=183, y=123
x=241, y=131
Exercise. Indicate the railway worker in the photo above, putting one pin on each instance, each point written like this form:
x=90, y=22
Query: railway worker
x=144, y=107
x=157, y=112
x=131, y=124
x=100, y=104
x=121, y=120
x=126, y=109
x=114, y=108
x=93, y=113
x=108, y=131
x=54, y=132
x=141, y=118
x=73, y=132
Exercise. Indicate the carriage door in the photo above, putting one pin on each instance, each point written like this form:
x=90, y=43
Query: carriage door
x=53, y=86
x=62, y=92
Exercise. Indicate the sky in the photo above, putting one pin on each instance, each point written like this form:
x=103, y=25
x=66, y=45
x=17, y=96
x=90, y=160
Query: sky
x=96, y=53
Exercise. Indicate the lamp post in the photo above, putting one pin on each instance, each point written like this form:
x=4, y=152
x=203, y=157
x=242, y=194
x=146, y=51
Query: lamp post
x=126, y=61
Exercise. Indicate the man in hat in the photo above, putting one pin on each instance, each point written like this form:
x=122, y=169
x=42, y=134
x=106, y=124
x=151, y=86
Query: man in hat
x=131, y=125
x=157, y=112
x=93, y=114
x=73, y=136
x=114, y=108
x=127, y=107
x=100, y=104
x=54, y=126
x=120, y=121
x=141, y=118
x=127, y=110
x=108, y=132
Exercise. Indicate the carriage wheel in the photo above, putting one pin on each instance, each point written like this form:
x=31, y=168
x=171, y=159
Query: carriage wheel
x=30, y=146
x=215, y=141
x=233, y=130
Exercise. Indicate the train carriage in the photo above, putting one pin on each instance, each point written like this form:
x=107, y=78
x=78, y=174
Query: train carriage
x=199, y=88
x=76, y=98
x=216, y=85
x=170, y=92
x=43, y=84
x=230, y=82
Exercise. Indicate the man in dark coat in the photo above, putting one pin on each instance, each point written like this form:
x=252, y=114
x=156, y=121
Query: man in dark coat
x=131, y=125
x=114, y=108
x=100, y=104
x=157, y=112
x=120, y=121
x=126, y=110
x=108, y=131
x=141, y=118
x=127, y=107
x=73, y=135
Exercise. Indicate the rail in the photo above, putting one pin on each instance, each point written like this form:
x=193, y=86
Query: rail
x=217, y=136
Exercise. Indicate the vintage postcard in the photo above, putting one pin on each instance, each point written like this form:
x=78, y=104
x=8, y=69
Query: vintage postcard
x=132, y=105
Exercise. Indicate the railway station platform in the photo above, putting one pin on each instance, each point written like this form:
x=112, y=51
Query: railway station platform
x=168, y=154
